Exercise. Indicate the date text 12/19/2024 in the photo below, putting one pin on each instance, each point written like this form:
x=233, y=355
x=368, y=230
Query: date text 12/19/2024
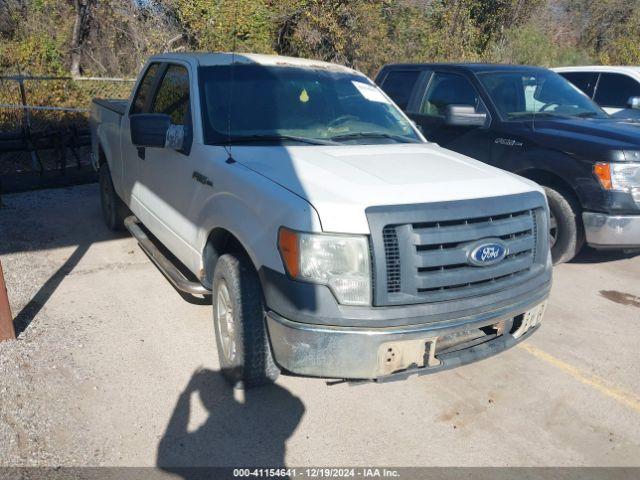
x=315, y=473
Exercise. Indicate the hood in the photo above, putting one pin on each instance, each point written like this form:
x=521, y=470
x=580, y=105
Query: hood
x=341, y=182
x=593, y=139
x=630, y=115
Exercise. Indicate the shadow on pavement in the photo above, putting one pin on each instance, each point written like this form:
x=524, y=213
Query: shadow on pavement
x=591, y=255
x=248, y=433
x=31, y=309
x=46, y=220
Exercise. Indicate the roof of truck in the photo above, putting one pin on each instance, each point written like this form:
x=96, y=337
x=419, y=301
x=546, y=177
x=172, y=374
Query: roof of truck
x=227, y=58
x=474, y=67
x=599, y=68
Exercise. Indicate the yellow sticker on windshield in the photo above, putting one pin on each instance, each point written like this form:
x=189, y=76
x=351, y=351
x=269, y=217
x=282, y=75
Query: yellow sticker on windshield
x=304, y=96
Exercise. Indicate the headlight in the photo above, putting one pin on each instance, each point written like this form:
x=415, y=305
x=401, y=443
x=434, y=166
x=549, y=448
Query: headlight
x=624, y=177
x=339, y=261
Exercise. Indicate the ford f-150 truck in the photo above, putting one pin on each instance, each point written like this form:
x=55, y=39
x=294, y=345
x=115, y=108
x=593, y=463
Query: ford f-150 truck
x=533, y=122
x=333, y=239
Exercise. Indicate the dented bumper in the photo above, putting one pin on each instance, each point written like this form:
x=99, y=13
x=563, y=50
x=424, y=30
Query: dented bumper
x=389, y=353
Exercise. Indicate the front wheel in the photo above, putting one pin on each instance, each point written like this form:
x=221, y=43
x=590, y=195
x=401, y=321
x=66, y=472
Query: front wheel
x=238, y=315
x=566, y=233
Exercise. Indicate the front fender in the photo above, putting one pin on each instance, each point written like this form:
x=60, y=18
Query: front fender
x=255, y=216
x=575, y=172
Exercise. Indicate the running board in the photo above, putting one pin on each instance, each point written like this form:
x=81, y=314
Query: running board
x=165, y=265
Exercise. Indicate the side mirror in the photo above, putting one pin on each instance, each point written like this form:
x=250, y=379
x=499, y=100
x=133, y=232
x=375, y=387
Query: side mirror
x=634, y=102
x=464, y=116
x=150, y=129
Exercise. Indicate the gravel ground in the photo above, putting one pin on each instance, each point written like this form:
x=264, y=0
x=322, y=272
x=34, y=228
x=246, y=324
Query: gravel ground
x=38, y=373
x=113, y=367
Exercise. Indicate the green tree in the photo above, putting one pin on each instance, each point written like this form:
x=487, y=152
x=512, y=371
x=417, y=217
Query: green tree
x=609, y=28
x=531, y=45
x=224, y=24
x=342, y=31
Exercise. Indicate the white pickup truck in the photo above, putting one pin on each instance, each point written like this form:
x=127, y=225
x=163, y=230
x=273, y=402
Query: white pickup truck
x=333, y=239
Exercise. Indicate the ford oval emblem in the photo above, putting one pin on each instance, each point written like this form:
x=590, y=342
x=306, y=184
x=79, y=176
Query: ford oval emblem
x=487, y=252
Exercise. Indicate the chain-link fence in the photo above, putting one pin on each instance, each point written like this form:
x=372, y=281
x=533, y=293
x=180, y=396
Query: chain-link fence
x=44, y=129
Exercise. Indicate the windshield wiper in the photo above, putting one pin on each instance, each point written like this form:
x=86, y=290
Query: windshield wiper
x=523, y=115
x=398, y=138
x=275, y=138
x=587, y=114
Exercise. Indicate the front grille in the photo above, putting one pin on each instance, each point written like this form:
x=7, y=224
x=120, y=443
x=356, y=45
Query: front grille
x=441, y=250
x=426, y=250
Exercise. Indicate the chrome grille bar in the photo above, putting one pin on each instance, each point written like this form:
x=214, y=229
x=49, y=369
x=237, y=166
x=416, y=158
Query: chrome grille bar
x=473, y=231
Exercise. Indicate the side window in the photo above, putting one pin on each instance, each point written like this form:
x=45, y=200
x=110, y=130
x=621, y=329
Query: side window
x=511, y=93
x=173, y=95
x=399, y=84
x=144, y=88
x=449, y=89
x=585, y=81
x=614, y=90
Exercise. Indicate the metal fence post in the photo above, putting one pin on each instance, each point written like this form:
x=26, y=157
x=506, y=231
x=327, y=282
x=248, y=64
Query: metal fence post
x=7, y=332
x=26, y=125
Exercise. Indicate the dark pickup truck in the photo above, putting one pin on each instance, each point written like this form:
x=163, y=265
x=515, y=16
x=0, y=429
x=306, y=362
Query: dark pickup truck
x=533, y=122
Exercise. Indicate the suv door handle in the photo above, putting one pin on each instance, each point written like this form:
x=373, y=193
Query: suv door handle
x=141, y=152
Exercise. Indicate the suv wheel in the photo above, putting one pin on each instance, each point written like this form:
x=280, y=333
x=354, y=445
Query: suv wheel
x=238, y=316
x=114, y=210
x=566, y=233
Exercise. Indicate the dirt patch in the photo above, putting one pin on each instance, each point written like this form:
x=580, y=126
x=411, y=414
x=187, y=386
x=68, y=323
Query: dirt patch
x=39, y=383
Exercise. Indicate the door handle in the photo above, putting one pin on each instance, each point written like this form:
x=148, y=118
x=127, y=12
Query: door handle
x=141, y=152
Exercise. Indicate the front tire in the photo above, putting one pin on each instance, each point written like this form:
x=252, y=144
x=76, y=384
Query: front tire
x=566, y=233
x=114, y=210
x=238, y=315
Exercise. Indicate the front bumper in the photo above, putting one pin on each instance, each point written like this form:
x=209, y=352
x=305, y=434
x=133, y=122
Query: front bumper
x=611, y=231
x=386, y=353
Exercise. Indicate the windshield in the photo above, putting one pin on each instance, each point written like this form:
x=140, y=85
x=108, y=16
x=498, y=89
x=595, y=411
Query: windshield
x=257, y=103
x=522, y=95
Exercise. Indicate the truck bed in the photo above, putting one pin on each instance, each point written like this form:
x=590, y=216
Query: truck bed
x=104, y=122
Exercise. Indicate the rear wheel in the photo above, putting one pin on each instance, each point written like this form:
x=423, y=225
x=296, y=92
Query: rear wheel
x=566, y=233
x=114, y=210
x=238, y=315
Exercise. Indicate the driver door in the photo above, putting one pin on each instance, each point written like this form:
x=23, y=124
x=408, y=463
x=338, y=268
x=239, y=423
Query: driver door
x=444, y=89
x=166, y=184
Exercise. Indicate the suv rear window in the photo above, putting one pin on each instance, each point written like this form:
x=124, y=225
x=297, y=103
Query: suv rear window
x=585, y=81
x=615, y=89
x=398, y=84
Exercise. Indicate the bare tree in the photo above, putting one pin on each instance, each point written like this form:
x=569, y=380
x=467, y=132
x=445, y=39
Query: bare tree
x=81, y=29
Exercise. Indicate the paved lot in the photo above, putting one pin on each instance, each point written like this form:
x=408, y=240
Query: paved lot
x=114, y=367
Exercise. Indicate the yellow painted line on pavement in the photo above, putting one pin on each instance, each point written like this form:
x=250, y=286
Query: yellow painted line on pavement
x=625, y=397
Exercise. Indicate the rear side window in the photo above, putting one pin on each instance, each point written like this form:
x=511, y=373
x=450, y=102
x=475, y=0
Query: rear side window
x=585, y=81
x=144, y=89
x=173, y=95
x=398, y=84
x=615, y=89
